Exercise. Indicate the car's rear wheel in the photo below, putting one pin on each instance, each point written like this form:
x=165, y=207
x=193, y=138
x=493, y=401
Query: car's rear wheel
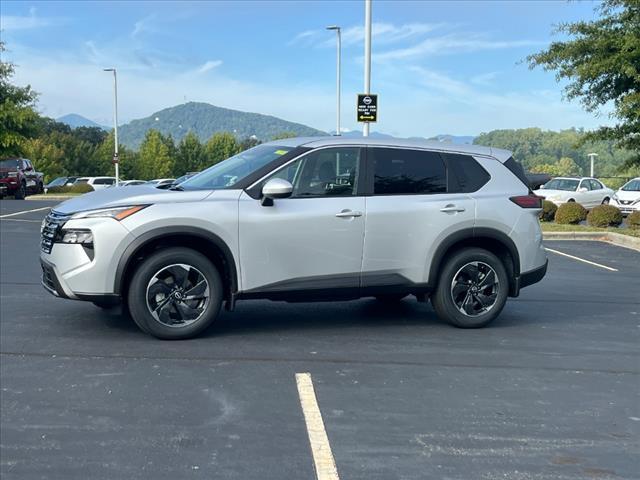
x=175, y=294
x=472, y=288
x=21, y=192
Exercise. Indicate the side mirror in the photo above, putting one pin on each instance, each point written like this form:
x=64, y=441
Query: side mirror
x=541, y=186
x=582, y=189
x=275, y=188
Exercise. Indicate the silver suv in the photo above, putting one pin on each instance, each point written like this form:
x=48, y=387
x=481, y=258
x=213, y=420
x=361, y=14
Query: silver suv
x=305, y=219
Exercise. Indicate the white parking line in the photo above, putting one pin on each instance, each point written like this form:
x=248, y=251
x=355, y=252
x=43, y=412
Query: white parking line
x=582, y=260
x=320, y=448
x=24, y=211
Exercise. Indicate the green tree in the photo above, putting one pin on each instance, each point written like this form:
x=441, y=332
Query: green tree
x=18, y=118
x=102, y=159
x=601, y=61
x=220, y=147
x=156, y=158
x=190, y=156
x=282, y=135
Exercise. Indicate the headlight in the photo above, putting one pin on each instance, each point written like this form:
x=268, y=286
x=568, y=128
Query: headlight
x=636, y=201
x=119, y=213
x=74, y=235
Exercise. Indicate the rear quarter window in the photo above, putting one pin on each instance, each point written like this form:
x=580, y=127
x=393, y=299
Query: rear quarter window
x=515, y=168
x=464, y=173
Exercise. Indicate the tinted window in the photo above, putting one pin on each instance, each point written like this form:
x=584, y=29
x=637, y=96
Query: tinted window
x=406, y=172
x=9, y=163
x=515, y=168
x=82, y=180
x=329, y=172
x=595, y=185
x=585, y=184
x=464, y=173
x=104, y=181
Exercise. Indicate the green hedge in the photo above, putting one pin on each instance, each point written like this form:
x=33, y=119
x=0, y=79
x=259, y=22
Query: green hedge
x=633, y=220
x=548, y=212
x=604, y=216
x=80, y=188
x=570, y=213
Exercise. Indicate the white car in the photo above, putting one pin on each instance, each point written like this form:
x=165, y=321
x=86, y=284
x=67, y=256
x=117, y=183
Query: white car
x=588, y=192
x=130, y=183
x=627, y=198
x=161, y=182
x=98, y=183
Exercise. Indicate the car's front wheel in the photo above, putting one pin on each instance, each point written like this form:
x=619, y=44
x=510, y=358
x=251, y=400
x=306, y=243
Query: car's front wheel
x=21, y=192
x=472, y=288
x=175, y=294
x=606, y=201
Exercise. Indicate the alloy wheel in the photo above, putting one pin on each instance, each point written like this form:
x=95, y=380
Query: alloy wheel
x=474, y=289
x=177, y=295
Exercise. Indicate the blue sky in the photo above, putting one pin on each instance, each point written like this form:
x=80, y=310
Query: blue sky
x=438, y=67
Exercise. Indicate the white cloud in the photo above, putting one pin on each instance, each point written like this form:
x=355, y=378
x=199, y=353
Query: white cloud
x=209, y=65
x=484, y=79
x=21, y=22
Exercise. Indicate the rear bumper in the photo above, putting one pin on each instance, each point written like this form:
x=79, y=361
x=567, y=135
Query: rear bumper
x=528, y=278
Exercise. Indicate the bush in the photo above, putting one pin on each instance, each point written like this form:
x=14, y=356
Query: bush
x=604, y=216
x=633, y=220
x=80, y=188
x=548, y=212
x=570, y=213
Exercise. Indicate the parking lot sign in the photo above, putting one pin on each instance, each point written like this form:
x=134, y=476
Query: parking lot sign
x=367, y=108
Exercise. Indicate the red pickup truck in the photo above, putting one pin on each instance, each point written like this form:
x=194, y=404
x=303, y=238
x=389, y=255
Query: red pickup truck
x=19, y=178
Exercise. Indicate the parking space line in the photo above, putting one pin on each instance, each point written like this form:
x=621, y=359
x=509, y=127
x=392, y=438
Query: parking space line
x=320, y=448
x=582, y=260
x=23, y=212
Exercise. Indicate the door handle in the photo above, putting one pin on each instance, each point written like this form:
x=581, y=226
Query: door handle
x=348, y=214
x=452, y=209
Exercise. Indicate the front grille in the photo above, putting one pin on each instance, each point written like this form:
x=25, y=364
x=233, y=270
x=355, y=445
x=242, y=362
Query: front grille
x=51, y=227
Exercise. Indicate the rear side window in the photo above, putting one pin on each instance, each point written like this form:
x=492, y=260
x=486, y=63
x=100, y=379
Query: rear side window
x=465, y=174
x=515, y=168
x=407, y=172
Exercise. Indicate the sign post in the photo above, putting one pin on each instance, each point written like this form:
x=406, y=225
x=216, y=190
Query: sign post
x=367, y=108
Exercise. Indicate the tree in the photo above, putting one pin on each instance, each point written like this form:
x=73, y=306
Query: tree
x=190, y=156
x=156, y=158
x=601, y=61
x=18, y=118
x=283, y=135
x=220, y=147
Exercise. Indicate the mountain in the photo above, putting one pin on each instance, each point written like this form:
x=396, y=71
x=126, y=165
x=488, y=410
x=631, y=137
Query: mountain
x=204, y=120
x=74, y=120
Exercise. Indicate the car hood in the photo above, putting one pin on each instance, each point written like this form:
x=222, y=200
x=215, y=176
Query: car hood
x=627, y=195
x=547, y=192
x=136, y=195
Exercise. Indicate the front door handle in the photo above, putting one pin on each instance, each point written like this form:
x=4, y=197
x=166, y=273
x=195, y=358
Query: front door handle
x=452, y=209
x=348, y=214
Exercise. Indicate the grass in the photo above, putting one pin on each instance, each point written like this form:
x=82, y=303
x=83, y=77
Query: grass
x=555, y=227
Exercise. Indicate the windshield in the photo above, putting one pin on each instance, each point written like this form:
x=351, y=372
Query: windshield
x=58, y=181
x=230, y=171
x=632, y=186
x=567, y=184
x=9, y=163
x=82, y=180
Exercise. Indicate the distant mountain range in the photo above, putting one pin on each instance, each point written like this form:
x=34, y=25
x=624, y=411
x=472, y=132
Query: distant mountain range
x=74, y=120
x=204, y=120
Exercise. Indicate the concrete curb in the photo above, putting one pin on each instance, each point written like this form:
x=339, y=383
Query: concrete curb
x=51, y=197
x=610, y=237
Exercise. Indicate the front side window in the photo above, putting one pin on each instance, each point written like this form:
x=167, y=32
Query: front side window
x=586, y=184
x=407, y=172
x=329, y=172
x=230, y=171
x=595, y=185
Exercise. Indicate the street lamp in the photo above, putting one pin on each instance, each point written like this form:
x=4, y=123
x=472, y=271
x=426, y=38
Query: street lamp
x=116, y=159
x=338, y=67
x=591, y=156
x=367, y=57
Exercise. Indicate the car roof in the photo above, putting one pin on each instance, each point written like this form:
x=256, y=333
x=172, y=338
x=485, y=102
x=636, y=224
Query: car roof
x=316, y=142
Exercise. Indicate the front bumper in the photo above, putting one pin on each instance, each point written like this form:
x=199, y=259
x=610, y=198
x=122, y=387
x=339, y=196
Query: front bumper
x=626, y=209
x=9, y=185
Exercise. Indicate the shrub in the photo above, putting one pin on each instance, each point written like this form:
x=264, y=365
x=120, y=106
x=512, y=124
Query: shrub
x=570, y=213
x=633, y=220
x=548, y=212
x=80, y=188
x=604, y=216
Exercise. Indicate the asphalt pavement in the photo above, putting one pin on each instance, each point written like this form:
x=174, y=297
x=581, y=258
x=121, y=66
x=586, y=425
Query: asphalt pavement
x=551, y=390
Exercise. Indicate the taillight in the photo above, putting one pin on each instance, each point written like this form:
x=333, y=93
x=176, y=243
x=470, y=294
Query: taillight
x=527, y=201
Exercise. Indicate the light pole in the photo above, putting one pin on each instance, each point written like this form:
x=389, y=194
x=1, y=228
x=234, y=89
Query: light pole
x=338, y=67
x=116, y=159
x=367, y=57
x=591, y=156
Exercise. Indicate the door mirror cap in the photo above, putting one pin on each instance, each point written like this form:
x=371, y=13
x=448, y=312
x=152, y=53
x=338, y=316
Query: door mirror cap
x=582, y=189
x=541, y=187
x=275, y=188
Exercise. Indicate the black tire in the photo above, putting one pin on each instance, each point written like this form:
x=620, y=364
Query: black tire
x=171, y=297
x=21, y=192
x=391, y=297
x=571, y=200
x=460, y=267
x=40, y=188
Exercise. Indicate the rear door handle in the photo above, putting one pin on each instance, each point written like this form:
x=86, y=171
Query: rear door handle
x=452, y=209
x=348, y=214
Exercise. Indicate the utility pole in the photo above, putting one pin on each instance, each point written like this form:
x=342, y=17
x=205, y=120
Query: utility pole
x=367, y=57
x=116, y=157
x=338, y=68
x=592, y=156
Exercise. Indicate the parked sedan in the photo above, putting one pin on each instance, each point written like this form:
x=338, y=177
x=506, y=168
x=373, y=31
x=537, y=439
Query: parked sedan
x=627, y=198
x=163, y=183
x=130, y=183
x=588, y=192
x=98, y=183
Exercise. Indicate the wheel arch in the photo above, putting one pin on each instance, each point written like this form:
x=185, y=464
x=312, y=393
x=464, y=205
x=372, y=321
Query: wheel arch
x=203, y=241
x=490, y=239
